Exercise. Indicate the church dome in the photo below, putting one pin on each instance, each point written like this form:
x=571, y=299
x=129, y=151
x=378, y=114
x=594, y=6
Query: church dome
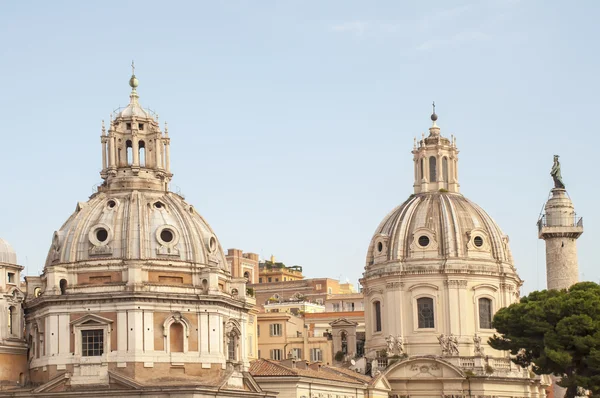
x=7, y=253
x=139, y=225
x=438, y=225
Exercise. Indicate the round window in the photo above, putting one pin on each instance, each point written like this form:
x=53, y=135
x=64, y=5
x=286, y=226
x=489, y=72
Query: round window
x=478, y=241
x=379, y=247
x=212, y=244
x=423, y=240
x=167, y=235
x=159, y=205
x=111, y=204
x=101, y=234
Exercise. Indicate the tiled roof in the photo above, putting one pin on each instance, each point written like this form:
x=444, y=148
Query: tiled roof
x=268, y=368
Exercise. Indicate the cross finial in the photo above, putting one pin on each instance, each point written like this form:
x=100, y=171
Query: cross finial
x=433, y=106
x=133, y=69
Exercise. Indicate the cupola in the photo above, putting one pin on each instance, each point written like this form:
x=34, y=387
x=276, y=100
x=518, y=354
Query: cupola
x=435, y=161
x=135, y=152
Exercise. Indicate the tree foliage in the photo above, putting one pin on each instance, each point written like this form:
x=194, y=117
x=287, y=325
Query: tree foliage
x=557, y=332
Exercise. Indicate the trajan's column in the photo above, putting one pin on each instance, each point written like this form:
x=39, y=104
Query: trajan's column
x=560, y=227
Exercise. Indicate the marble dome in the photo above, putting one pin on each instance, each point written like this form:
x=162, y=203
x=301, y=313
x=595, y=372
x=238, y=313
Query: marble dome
x=439, y=225
x=7, y=253
x=139, y=225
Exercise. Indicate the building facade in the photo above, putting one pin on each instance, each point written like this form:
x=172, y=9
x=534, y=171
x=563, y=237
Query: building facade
x=13, y=344
x=137, y=296
x=438, y=267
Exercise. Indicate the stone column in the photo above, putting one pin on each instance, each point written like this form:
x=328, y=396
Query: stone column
x=167, y=156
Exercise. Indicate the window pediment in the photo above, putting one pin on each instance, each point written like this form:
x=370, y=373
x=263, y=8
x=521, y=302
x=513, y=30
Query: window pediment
x=91, y=319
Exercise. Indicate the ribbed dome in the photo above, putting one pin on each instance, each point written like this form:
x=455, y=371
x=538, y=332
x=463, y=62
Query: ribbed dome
x=438, y=225
x=7, y=253
x=132, y=225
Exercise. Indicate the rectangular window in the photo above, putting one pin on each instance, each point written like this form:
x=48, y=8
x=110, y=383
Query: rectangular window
x=425, y=313
x=92, y=342
x=351, y=306
x=485, y=313
x=258, y=354
x=128, y=125
x=140, y=126
x=250, y=346
x=275, y=329
x=318, y=287
x=270, y=280
x=257, y=330
x=316, y=355
x=377, y=308
x=276, y=354
x=259, y=280
x=11, y=277
x=336, y=307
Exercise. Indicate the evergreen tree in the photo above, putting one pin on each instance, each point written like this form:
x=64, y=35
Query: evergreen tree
x=557, y=332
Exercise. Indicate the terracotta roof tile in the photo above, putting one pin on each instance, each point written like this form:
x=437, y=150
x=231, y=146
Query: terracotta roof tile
x=268, y=368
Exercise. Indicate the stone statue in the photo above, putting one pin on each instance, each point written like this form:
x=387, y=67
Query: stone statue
x=374, y=368
x=478, y=347
x=452, y=345
x=555, y=173
x=391, y=345
x=443, y=344
x=400, y=345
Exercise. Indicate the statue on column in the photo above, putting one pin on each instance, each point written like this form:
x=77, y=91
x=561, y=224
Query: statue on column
x=555, y=173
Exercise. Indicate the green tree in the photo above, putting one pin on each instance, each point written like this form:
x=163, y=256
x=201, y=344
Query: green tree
x=557, y=332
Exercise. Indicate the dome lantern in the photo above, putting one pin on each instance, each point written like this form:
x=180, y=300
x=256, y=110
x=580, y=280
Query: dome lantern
x=135, y=153
x=435, y=161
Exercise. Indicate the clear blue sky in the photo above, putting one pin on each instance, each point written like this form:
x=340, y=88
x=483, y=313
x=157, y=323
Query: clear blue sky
x=292, y=122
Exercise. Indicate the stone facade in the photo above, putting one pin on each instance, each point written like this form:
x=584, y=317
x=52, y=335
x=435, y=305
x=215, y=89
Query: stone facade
x=560, y=227
x=437, y=269
x=137, y=296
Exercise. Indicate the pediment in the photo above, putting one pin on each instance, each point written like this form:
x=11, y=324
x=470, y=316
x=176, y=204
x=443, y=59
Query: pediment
x=91, y=319
x=343, y=322
x=425, y=367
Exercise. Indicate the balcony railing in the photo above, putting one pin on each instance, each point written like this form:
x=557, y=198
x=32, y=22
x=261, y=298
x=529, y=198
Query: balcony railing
x=554, y=221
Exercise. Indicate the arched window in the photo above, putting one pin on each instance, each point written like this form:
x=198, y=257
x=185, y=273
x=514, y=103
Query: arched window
x=377, y=313
x=176, y=337
x=11, y=318
x=425, y=313
x=247, y=276
x=445, y=168
x=129, y=149
x=344, y=338
x=232, y=336
x=422, y=168
x=142, y=153
x=432, y=169
x=63, y=286
x=485, y=313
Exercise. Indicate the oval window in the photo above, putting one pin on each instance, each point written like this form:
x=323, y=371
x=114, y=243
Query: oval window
x=101, y=234
x=379, y=247
x=212, y=244
x=167, y=235
x=478, y=241
x=423, y=241
x=111, y=204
